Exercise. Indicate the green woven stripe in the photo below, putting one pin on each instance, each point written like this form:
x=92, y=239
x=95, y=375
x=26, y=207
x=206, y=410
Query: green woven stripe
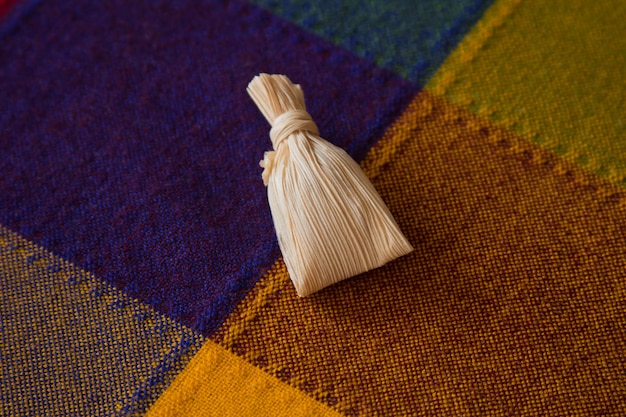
x=73, y=345
x=410, y=38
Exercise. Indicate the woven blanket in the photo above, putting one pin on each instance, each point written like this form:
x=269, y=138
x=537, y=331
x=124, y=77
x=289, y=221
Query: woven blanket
x=140, y=273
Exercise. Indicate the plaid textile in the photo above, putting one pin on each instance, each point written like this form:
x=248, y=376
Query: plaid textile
x=139, y=269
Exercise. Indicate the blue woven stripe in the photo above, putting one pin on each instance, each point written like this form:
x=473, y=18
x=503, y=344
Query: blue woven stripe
x=131, y=148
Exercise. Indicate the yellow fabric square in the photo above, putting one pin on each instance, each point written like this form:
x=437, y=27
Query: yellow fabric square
x=552, y=71
x=218, y=383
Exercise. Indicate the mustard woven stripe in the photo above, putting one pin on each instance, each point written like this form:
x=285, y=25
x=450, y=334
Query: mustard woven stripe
x=553, y=72
x=73, y=345
x=218, y=383
x=514, y=302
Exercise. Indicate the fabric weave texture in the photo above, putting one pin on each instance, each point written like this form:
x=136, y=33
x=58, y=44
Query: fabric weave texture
x=139, y=268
